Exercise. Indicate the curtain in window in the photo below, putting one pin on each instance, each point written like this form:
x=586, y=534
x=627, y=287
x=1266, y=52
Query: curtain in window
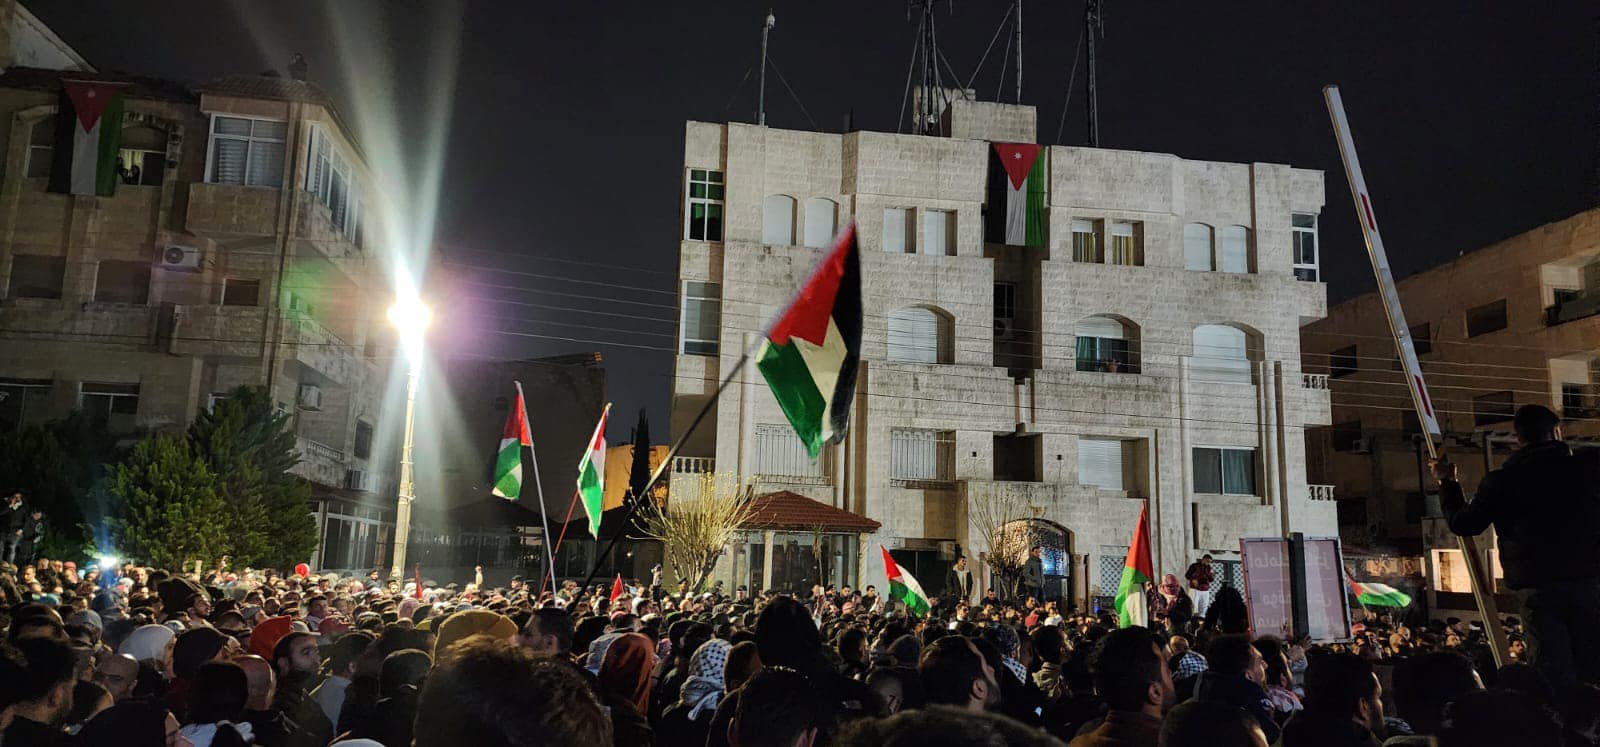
x=1088, y=354
x=1207, y=471
x=1238, y=472
x=227, y=160
x=266, y=164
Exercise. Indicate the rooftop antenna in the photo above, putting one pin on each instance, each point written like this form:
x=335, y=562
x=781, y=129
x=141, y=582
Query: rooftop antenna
x=761, y=97
x=1019, y=51
x=1094, y=27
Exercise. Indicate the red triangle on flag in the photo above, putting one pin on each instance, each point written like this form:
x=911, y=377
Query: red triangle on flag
x=616, y=588
x=1017, y=159
x=89, y=100
x=807, y=316
x=517, y=422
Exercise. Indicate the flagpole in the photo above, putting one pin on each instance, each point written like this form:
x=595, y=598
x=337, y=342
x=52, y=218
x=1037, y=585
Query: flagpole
x=550, y=554
x=570, y=508
x=655, y=475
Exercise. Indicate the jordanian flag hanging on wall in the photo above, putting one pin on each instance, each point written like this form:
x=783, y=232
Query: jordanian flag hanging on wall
x=508, y=462
x=1016, y=195
x=1137, y=570
x=903, y=587
x=810, y=356
x=592, y=475
x=88, y=134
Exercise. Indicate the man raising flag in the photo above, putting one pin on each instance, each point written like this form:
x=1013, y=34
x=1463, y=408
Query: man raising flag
x=1137, y=571
x=903, y=587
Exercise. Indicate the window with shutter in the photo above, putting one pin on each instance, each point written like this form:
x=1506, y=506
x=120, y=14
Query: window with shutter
x=1221, y=354
x=899, y=233
x=917, y=335
x=1125, y=244
x=822, y=221
x=777, y=220
x=247, y=151
x=41, y=147
x=917, y=455
x=1197, y=247
x=939, y=232
x=1085, y=242
x=1100, y=463
x=1233, y=245
x=779, y=452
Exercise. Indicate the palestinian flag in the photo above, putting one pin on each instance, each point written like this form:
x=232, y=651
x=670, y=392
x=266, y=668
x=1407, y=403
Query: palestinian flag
x=1016, y=195
x=616, y=588
x=88, y=134
x=1137, y=570
x=508, y=463
x=810, y=356
x=592, y=475
x=1378, y=595
x=903, y=587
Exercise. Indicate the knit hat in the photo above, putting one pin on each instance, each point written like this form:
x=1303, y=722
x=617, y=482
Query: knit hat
x=266, y=635
x=195, y=647
x=470, y=623
x=87, y=617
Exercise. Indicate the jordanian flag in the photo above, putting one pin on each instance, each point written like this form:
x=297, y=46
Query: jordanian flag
x=1137, y=570
x=592, y=475
x=1378, y=595
x=508, y=463
x=810, y=356
x=88, y=134
x=1016, y=195
x=903, y=587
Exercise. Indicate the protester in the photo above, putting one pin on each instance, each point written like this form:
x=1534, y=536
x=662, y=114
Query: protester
x=954, y=673
x=132, y=724
x=1204, y=723
x=686, y=721
x=1235, y=678
x=1343, y=705
x=46, y=694
x=216, y=707
x=466, y=701
x=1130, y=673
x=776, y=709
x=624, y=684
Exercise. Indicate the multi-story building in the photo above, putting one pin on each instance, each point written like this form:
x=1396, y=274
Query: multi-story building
x=234, y=251
x=1514, y=323
x=1146, y=350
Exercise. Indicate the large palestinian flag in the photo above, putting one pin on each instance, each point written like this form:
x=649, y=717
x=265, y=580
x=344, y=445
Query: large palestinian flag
x=810, y=356
x=903, y=587
x=592, y=475
x=1137, y=570
x=1016, y=195
x=1371, y=594
x=508, y=462
x=88, y=134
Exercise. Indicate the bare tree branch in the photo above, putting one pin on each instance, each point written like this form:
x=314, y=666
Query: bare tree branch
x=695, y=528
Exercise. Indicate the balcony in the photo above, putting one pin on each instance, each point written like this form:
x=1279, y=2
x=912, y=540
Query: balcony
x=231, y=210
x=1320, y=492
x=693, y=465
x=1314, y=381
x=1582, y=306
x=321, y=350
x=319, y=462
x=238, y=331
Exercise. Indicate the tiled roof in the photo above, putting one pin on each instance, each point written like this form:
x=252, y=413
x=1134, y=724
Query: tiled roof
x=266, y=87
x=139, y=87
x=786, y=510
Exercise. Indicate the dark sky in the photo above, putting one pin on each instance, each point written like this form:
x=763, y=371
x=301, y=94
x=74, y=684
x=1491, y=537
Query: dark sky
x=565, y=145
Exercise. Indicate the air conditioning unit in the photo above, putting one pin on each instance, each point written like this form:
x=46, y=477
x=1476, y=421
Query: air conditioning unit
x=180, y=258
x=1361, y=446
x=310, y=397
x=1004, y=329
x=356, y=479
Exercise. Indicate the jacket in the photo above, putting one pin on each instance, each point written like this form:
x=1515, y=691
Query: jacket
x=1235, y=690
x=1312, y=728
x=1033, y=573
x=1545, y=508
x=956, y=591
x=1122, y=729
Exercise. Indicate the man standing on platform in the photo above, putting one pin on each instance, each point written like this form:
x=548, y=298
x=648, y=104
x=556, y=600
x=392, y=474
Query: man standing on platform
x=1200, y=577
x=958, y=584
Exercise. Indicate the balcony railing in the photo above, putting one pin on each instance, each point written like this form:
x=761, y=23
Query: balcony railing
x=319, y=450
x=1314, y=381
x=1320, y=492
x=693, y=465
x=1571, y=310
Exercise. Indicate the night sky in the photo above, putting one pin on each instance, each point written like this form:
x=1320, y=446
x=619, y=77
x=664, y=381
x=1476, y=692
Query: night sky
x=566, y=119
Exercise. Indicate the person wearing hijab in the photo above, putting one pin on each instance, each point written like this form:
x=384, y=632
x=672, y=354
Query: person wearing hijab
x=191, y=649
x=470, y=623
x=1171, y=602
x=597, y=652
x=686, y=721
x=624, y=684
x=151, y=646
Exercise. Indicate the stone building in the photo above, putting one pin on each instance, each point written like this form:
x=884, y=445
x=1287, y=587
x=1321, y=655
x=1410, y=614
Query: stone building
x=1514, y=323
x=237, y=249
x=1147, y=349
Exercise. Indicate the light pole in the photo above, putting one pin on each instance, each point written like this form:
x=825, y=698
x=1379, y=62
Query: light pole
x=410, y=318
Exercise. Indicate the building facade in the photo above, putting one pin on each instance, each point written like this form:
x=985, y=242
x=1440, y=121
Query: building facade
x=1514, y=323
x=1146, y=350
x=236, y=250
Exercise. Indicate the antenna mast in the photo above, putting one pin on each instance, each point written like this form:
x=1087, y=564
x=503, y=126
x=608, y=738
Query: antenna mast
x=926, y=111
x=1019, y=51
x=1093, y=28
x=761, y=97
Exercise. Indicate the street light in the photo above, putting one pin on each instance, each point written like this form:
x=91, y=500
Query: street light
x=410, y=317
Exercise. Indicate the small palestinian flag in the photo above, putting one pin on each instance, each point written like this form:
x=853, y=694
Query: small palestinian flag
x=616, y=588
x=1016, y=195
x=1137, y=570
x=508, y=463
x=88, y=135
x=1378, y=595
x=904, y=588
x=810, y=356
x=592, y=475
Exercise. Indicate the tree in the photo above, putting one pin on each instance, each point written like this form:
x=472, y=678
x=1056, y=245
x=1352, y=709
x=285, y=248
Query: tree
x=694, y=528
x=638, y=473
x=1001, y=534
x=168, y=510
x=56, y=465
x=247, y=443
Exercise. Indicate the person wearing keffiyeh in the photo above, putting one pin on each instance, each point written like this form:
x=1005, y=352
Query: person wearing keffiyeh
x=687, y=721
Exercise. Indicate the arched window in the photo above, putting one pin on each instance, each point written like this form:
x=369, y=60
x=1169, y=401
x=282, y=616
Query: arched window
x=1108, y=345
x=1233, y=249
x=41, y=148
x=1222, y=353
x=1197, y=247
x=777, y=220
x=919, y=335
x=822, y=221
x=142, y=158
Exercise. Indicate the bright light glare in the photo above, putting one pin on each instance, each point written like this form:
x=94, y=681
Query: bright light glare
x=410, y=316
x=107, y=562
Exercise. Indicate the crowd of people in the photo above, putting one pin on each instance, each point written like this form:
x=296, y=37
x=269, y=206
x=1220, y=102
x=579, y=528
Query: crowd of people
x=139, y=656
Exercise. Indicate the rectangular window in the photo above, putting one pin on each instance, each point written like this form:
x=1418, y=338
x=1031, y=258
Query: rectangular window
x=108, y=400
x=1495, y=407
x=1233, y=249
x=1225, y=471
x=241, y=292
x=22, y=402
x=917, y=455
x=702, y=318
x=778, y=451
x=1197, y=248
x=1125, y=244
x=36, y=276
x=1422, y=338
x=1085, y=242
x=1343, y=362
x=1565, y=295
x=1305, y=247
x=247, y=151
x=939, y=232
x=704, y=210
x=117, y=281
x=1100, y=463
x=899, y=231
x=1346, y=436
x=363, y=444
x=1451, y=570
x=1104, y=354
x=1576, y=402
x=41, y=148
x=1490, y=317
x=1005, y=301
